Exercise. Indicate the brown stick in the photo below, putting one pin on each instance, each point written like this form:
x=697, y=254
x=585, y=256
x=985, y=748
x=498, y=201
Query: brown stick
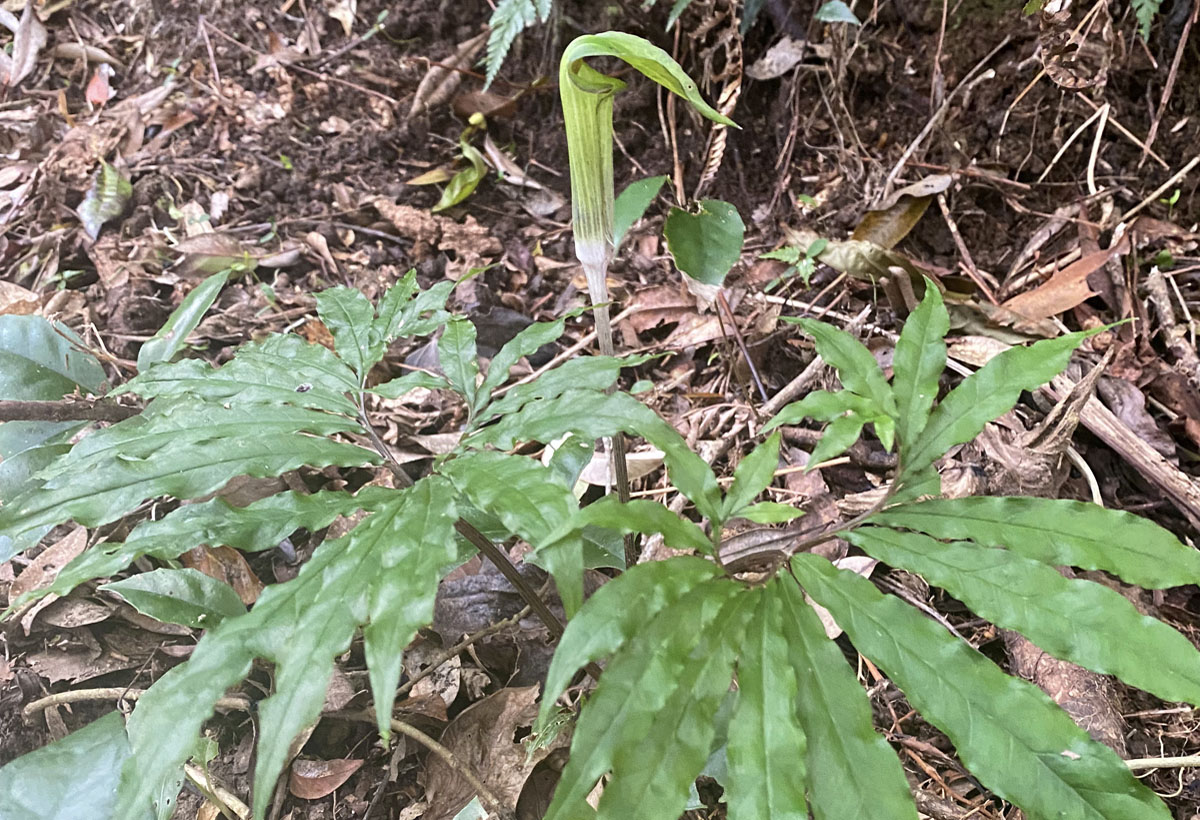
x=68, y=410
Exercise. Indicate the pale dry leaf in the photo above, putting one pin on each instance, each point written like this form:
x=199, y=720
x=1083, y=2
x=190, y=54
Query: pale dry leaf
x=28, y=41
x=42, y=571
x=314, y=779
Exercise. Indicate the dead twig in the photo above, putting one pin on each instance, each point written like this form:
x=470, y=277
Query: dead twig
x=67, y=410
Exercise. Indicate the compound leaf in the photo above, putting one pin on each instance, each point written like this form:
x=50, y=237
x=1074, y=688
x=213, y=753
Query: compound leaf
x=852, y=772
x=615, y=612
x=986, y=394
x=1058, y=532
x=1006, y=731
x=525, y=343
x=821, y=405
x=919, y=361
x=509, y=19
x=1075, y=620
x=766, y=748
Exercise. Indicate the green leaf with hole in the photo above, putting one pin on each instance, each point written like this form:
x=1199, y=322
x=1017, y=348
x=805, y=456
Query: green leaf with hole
x=180, y=596
x=707, y=244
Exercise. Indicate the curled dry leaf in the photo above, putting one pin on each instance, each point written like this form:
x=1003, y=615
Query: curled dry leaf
x=314, y=779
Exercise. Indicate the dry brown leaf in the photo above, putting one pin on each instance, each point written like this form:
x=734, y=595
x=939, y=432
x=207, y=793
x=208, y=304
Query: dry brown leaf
x=17, y=300
x=228, y=565
x=28, y=40
x=1066, y=288
x=42, y=571
x=482, y=739
x=314, y=779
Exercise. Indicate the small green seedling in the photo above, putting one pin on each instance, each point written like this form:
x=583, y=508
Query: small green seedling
x=801, y=263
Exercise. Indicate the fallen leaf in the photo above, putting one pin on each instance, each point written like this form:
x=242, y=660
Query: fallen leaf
x=29, y=39
x=228, y=565
x=1066, y=288
x=314, y=779
x=42, y=571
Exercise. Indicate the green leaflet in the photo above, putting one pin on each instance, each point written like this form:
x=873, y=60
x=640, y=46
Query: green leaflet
x=71, y=777
x=402, y=597
x=172, y=336
x=1058, y=532
x=525, y=343
x=633, y=691
x=855, y=365
x=1008, y=732
x=918, y=363
x=766, y=748
x=1079, y=621
x=459, y=360
x=614, y=614
x=769, y=512
x=594, y=373
x=255, y=527
x=300, y=625
x=401, y=313
x=753, y=475
x=532, y=503
x=838, y=437
x=631, y=204
x=987, y=394
x=594, y=415
x=510, y=18
x=41, y=360
x=397, y=387
x=180, y=449
x=349, y=315
x=180, y=596
x=852, y=772
x=821, y=405
x=277, y=370
x=650, y=779
x=641, y=516
x=707, y=244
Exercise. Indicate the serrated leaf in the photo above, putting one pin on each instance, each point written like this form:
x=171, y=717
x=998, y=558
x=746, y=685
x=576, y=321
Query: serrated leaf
x=278, y=370
x=1146, y=11
x=852, y=772
x=1005, y=730
x=596, y=415
x=1060, y=533
x=396, y=388
x=180, y=596
x=595, y=373
x=753, y=475
x=633, y=690
x=71, y=777
x=459, y=359
x=918, y=363
x=614, y=614
x=707, y=244
x=349, y=316
x=769, y=512
x=42, y=360
x=532, y=503
x=525, y=343
x=300, y=625
x=179, y=449
x=645, y=517
x=390, y=311
x=509, y=19
x=650, y=779
x=403, y=314
x=105, y=200
x=987, y=394
x=821, y=405
x=766, y=749
x=402, y=596
x=172, y=336
x=1079, y=621
x=854, y=363
x=631, y=204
